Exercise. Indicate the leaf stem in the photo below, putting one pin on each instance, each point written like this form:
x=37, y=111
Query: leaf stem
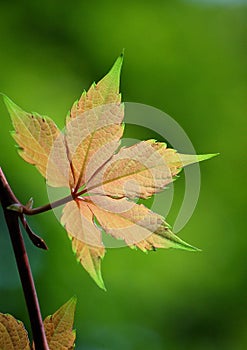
x=8, y=198
x=48, y=206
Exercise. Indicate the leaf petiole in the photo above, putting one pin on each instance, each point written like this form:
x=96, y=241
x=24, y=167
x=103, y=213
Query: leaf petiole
x=49, y=206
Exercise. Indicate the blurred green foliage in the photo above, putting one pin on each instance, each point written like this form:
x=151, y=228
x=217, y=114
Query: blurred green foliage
x=187, y=58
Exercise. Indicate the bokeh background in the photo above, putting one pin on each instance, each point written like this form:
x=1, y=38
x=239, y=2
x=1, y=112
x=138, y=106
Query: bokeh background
x=187, y=58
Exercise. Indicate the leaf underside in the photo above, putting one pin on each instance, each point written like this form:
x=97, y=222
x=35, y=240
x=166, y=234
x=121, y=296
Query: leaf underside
x=59, y=327
x=85, y=158
x=13, y=335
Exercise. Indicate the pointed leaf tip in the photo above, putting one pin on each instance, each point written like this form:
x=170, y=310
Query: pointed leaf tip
x=122, y=53
x=6, y=99
x=202, y=157
x=102, y=286
x=11, y=106
x=115, y=71
x=72, y=301
x=189, y=247
x=178, y=243
x=98, y=279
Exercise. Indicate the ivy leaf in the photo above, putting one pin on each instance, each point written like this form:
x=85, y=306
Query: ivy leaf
x=59, y=327
x=13, y=335
x=103, y=180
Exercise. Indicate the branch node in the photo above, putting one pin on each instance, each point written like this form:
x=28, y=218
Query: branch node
x=16, y=207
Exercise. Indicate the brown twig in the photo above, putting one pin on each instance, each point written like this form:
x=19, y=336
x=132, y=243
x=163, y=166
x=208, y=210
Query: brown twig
x=8, y=198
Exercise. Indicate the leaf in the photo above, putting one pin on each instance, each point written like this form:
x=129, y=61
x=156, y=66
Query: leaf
x=106, y=91
x=13, y=335
x=95, y=123
x=135, y=224
x=34, y=135
x=96, y=130
x=140, y=171
x=59, y=327
x=86, y=238
x=103, y=180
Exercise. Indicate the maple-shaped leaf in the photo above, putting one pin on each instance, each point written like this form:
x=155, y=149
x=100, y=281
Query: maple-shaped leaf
x=59, y=327
x=103, y=180
x=13, y=335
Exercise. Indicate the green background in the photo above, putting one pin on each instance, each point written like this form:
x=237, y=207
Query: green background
x=187, y=58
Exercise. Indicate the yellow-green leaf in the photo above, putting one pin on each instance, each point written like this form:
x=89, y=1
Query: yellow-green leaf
x=13, y=335
x=95, y=124
x=140, y=170
x=86, y=238
x=84, y=159
x=104, y=92
x=135, y=224
x=59, y=327
x=34, y=135
x=95, y=131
